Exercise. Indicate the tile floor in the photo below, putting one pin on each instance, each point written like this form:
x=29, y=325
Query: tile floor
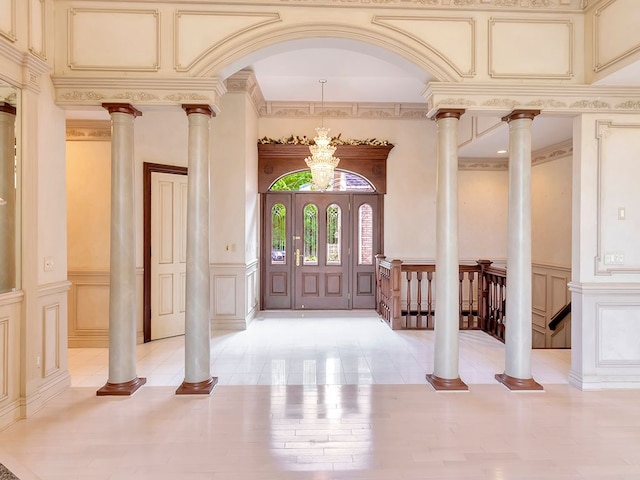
x=313, y=348
x=327, y=397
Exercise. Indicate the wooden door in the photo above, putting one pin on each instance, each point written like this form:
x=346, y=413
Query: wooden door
x=168, y=254
x=366, y=214
x=321, y=245
x=277, y=236
x=319, y=250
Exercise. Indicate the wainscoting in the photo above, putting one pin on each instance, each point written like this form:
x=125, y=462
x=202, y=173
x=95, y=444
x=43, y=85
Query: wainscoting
x=89, y=308
x=51, y=348
x=234, y=302
x=550, y=292
x=234, y=295
x=11, y=305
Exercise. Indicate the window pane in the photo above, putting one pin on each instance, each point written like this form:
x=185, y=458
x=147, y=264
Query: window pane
x=342, y=181
x=310, y=252
x=333, y=234
x=365, y=235
x=278, y=234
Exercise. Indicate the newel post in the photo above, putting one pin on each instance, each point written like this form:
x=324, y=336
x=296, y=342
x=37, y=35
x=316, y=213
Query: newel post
x=483, y=293
x=379, y=258
x=396, y=281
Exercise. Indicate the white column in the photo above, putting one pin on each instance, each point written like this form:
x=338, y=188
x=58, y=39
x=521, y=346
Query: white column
x=122, y=275
x=445, y=374
x=197, y=378
x=517, y=373
x=7, y=197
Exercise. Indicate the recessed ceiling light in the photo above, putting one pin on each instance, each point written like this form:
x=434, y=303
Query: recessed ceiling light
x=502, y=151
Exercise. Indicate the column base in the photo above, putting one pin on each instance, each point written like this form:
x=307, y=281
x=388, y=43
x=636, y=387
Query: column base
x=444, y=384
x=518, y=384
x=197, y=388
x=123, y=389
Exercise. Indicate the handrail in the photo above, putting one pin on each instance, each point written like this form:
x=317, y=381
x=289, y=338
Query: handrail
x=405, y=295
x=559, y=316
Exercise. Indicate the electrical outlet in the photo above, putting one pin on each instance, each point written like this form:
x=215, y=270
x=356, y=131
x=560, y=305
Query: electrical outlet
x=614, y=258
x=48, y=264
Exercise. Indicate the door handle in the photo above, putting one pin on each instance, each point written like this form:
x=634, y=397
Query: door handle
x=297, y=257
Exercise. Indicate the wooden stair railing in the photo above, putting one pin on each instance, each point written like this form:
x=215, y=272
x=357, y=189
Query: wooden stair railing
x=559, y=316
x=481, y=295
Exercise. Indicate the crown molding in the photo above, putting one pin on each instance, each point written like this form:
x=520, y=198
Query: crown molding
x=245, y=81
x=88, y=130
x=500, y=99
x=538, y=157
x=93, y=91
x=455, y=5
x=387, y=111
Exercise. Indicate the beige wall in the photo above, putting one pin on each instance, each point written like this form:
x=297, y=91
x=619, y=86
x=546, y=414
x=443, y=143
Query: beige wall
x=409, y=220
x=551, y=212
x=88, y=204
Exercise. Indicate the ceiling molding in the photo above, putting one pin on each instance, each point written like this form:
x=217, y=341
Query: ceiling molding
x=93, y=91
x=538, y=157
x=390, y=111
x=88, y=130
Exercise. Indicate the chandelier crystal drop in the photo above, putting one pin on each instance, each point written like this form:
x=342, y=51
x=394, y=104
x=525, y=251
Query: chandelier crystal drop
x=322, y=163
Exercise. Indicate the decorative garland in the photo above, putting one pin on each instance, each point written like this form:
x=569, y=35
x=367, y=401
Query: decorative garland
x=296, y=140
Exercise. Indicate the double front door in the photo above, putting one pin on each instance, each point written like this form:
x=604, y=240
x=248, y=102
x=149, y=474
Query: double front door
x=319, y=250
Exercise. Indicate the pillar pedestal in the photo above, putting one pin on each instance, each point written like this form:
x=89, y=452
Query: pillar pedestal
x=445, y=374
x=518, y=301
x=197, y=343
x=122, y=270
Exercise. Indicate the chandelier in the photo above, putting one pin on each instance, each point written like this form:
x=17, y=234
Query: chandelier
x=322, y=162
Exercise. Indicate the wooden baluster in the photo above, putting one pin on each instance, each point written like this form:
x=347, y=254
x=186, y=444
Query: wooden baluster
x=408, y=317
x=470, y=321
x=503, y=301
x=460, y=316
x=395, y=306
x=430, y=300
x=419, y=301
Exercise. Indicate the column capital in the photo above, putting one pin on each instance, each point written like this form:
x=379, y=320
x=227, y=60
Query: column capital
x=518, y=114
x=198, y=108
x=448, y=113
x=6, y=107
x=122, y=108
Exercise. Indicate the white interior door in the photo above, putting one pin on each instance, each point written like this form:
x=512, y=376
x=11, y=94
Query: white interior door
x=168, y=254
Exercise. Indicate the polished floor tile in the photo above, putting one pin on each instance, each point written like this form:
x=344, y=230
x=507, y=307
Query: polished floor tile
x=313, y=348
x=327, y=397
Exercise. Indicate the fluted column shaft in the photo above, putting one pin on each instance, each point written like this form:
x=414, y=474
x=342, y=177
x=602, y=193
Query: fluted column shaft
x=122, y=274
x=7, y=197
x=445, y=374
x=197, y=318
x=517, y=373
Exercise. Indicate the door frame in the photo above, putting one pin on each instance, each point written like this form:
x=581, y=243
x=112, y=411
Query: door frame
x=147, y=170
x=265, y=239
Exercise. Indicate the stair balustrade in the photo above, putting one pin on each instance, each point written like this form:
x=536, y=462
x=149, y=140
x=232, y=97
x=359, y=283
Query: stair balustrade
x=406, y=292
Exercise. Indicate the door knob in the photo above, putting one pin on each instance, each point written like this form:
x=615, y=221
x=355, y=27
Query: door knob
x=297, y=257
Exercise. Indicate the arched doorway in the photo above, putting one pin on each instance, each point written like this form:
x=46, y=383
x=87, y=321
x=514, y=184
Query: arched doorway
x=318, y=248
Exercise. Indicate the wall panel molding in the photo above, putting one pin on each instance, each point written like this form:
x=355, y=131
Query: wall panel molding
x=229, y=26
x=613, y=16
x=8, y=19
x=37, y=28
x=537, y=36
x=441, y=36
x=616, y=141
x=113, y=40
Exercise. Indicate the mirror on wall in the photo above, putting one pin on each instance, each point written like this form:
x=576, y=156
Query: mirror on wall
x=9, y=197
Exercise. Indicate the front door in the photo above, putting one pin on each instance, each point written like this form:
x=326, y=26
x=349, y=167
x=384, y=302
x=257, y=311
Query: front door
x=319, y=250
